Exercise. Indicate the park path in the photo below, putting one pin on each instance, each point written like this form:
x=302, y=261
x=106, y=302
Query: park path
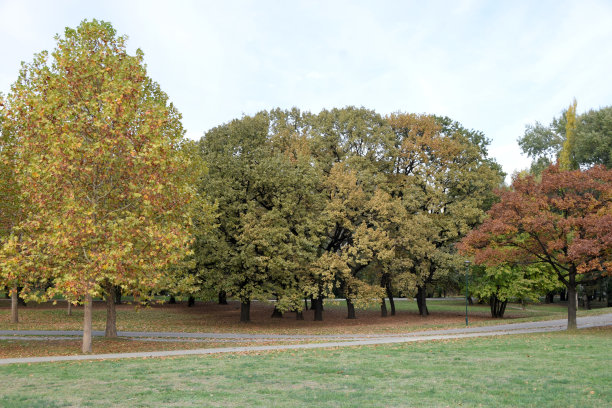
x=339, y=340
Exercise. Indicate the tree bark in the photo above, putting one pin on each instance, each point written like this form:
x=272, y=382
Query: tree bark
x=550, y=297
x=14, y=306
x=572, y=301
x=299, y=315
x=111, y=312
x=317, y=305
x=88, y=306
x=305, y=304
x=172, y=300
x=190, y=301
x=498, y=307
x=118, y=294
x=422, y=301
x=383, y=308
x=222, y=297
x=69, y=308
x=609, y=293
x=390, y=296
x=245, y=311
x=350, y=307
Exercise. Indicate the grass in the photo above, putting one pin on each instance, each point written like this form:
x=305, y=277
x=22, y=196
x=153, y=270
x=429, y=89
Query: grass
x=569, y=369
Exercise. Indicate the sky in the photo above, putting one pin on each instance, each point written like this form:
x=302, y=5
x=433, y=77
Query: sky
x=494, y=66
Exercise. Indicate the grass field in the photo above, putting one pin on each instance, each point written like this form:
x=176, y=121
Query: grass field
x=564, y=369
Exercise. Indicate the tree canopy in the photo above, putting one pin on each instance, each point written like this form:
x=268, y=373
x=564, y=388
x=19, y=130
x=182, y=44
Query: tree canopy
x=563, y=222
x=101, y=164
x=591, y=144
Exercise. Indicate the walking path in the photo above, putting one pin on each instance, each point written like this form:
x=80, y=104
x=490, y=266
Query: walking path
x=340, y=340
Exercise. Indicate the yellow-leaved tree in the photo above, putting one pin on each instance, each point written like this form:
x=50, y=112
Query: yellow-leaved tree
x=100, y=160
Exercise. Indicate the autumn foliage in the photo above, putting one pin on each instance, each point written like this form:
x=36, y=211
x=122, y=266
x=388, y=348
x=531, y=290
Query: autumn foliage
x=101, y=166
x=564, y=221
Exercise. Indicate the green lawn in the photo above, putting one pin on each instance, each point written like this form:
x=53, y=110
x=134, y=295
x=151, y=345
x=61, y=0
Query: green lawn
x=565, y=369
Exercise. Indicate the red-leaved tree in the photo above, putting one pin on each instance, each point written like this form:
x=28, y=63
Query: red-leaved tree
x=565, y=221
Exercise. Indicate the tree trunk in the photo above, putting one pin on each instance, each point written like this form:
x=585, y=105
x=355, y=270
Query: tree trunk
x=587, y=302
x=470, y=301
x=118, y=294
x=245, y=311
x=190, y=301
x=383, y=308
x=305, y=304
x=172, y=300
x=572, y=301
x=14, y=306
x=317, y=305
x=390, y=296
x=498, y=307
x=88, y=306
x=111, y=312
x=222, y=297
x=350, y=307
x=422, y=301
x=69, y=308
x=299, y=315
x=563, y=296
x=550, y=297
x=609, y=293
x=277, y=314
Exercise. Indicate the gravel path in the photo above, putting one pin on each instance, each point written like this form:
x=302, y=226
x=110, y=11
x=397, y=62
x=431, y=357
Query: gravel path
x=338, y=340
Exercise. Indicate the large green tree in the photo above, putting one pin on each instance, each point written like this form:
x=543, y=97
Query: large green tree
x=443, y=178
x=100, y=161
x=262, y=180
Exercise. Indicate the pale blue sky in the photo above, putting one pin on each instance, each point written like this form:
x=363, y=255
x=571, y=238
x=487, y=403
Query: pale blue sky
x=494, y=66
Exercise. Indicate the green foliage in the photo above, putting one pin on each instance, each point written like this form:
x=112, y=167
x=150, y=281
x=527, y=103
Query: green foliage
x=591, y=140
x=262, y=181
x=507, y=282
x=594, y=137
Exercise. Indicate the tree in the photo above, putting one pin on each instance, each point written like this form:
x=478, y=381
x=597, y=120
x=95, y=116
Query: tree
x=594, y=138
x=100, y=161
x=567, y=160
x=444, y=180
x=261, y=178
x=501, y=283
x=563, y=222
x=350, y=149
x=591, y=134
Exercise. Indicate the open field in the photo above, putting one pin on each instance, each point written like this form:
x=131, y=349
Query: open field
x=569, y=369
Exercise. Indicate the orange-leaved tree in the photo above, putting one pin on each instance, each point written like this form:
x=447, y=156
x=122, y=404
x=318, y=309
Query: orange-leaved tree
x=564, y=221
x=100, y=160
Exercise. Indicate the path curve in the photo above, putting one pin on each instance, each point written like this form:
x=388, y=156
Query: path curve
x=341, y=340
